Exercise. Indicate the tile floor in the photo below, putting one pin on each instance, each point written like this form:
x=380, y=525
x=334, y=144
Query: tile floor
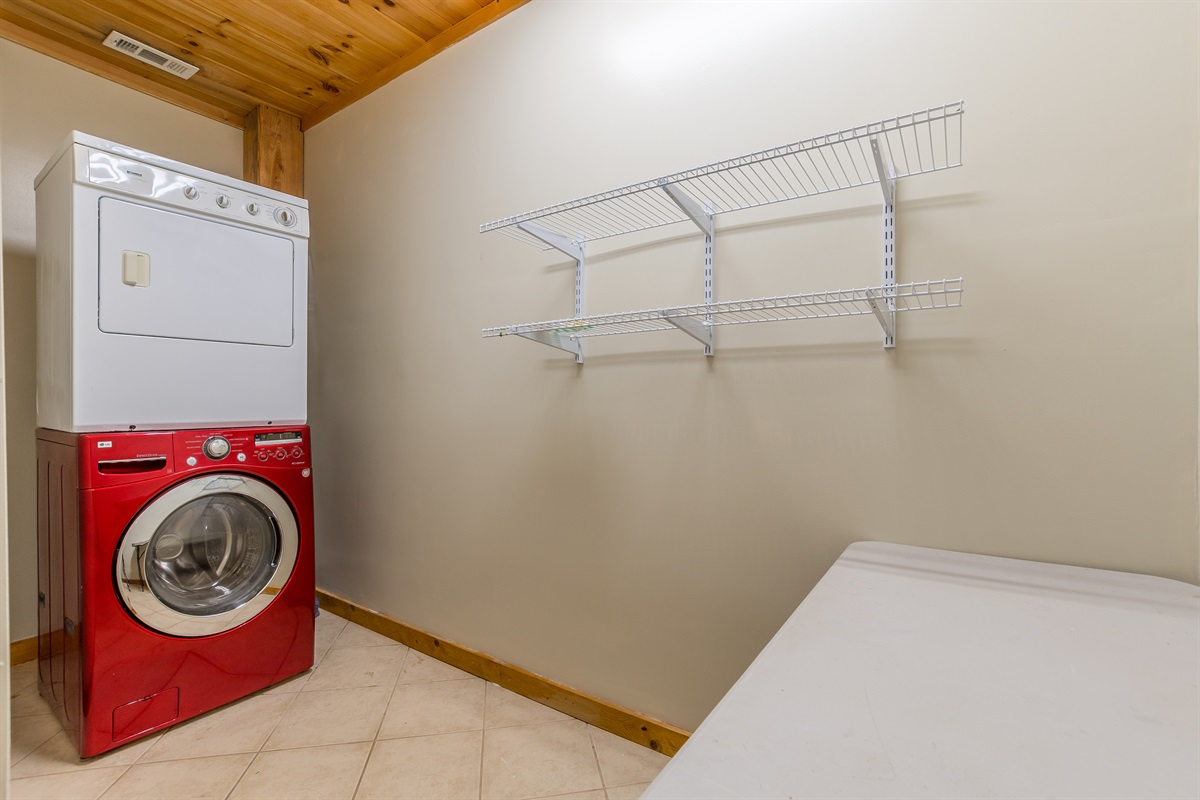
x=372, y=720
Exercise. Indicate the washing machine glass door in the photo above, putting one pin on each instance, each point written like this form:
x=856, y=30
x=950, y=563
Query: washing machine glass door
x=208, y=555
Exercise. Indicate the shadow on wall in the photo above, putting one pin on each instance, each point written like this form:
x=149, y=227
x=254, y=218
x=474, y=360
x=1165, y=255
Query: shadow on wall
x=20, y=354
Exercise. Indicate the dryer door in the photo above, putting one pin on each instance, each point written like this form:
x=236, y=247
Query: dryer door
x=176, y=276
x=207, y=555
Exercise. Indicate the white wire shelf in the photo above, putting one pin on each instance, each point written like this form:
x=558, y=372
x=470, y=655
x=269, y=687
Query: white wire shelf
x=877, y=153
x=916, y=143
x=918, y=296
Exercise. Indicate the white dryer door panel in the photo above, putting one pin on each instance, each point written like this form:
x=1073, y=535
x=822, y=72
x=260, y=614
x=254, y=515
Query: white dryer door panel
x=189, y=278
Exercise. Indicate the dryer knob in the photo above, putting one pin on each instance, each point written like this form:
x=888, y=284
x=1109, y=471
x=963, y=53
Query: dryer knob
x=285, y=217
x=223, y=200
x=191, y=192
x=252, y=209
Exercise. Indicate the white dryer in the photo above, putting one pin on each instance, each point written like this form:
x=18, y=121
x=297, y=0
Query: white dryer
x=168, y=296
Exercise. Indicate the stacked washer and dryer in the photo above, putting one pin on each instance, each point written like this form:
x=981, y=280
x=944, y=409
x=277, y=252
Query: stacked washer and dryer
x=175, y=544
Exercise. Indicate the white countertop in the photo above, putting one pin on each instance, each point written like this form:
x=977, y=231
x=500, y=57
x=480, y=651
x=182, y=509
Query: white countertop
x=919, y=673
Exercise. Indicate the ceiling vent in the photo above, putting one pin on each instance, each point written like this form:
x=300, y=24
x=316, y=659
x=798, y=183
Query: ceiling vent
x=144, y=52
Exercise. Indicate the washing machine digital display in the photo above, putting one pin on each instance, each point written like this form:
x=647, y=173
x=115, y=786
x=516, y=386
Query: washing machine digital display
x=276, y=437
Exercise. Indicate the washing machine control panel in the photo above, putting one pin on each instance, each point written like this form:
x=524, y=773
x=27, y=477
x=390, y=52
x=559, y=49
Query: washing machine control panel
x=249, y=447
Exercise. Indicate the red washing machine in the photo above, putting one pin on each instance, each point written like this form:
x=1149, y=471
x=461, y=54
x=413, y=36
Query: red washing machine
x=175, y=574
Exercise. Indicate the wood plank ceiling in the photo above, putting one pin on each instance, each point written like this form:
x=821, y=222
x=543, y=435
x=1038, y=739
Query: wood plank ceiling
x=306, y=58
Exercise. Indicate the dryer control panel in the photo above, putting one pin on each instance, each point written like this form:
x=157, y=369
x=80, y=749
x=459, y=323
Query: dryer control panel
x=191, y=192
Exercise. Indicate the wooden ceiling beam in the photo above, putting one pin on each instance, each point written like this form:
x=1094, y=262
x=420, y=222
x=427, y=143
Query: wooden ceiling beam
x=273, y=151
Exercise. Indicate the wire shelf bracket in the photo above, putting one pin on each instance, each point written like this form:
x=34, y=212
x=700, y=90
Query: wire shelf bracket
x=574, y=249
x=702, y=332
x=877, y=153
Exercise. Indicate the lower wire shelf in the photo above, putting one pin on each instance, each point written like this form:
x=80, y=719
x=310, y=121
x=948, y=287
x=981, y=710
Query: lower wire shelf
x=698, y=320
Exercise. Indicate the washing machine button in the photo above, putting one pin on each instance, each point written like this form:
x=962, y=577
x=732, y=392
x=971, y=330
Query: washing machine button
x=191, y=461
x=216, y=447
x=297, y=452
x=281, y=454
x=241, y=456
x=263, y=455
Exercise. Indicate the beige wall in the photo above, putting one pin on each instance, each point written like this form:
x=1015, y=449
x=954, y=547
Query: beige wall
x=638, y=527
x=43, y=100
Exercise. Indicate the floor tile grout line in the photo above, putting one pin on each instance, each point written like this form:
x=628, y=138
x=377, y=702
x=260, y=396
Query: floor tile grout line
x=36, y=747
x=249, y=764
x=230, y=704
x=274, y=727
x=535, y=722
x=483, y=737
x=362, y=773
x=391, y=697
x=78, y=766
x=123, y=767
x=633, y=783
x=596, y=755
x=108, y=788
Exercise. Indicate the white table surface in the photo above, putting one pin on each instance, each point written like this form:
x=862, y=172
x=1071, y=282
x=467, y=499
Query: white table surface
x=919, y=673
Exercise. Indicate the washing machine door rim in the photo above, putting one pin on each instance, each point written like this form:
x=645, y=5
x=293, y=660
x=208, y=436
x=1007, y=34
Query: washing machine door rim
x=237, y=540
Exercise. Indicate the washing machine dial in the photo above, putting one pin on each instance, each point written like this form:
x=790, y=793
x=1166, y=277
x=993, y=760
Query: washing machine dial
x=191, y=192
x=252, y=209
x=223, y=200
x=216, y=447
x=285, y=217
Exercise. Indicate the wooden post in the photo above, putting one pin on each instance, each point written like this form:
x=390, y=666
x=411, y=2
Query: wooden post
x=274, y=150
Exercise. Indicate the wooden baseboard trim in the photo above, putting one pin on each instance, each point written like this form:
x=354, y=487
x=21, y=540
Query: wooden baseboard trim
x=22, y=650
x=592, y=710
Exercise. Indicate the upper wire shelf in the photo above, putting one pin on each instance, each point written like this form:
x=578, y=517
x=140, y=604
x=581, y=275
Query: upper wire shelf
x=923, y=141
